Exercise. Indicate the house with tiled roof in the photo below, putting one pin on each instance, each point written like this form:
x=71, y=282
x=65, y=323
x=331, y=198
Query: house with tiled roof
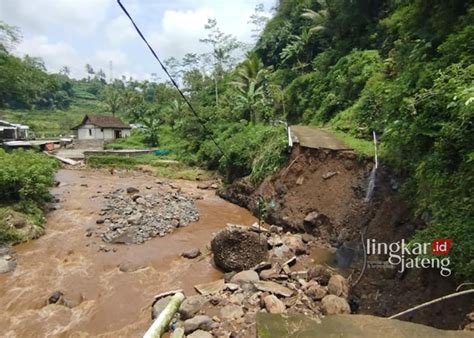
x=101, y=128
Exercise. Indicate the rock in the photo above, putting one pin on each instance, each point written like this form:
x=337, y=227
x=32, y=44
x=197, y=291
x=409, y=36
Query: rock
x=469, y=327
x=300, y=180
x=159, y=305
x=132, y=190
x=100, y=221
x=247, y=276
x=231, y=287
x=338, y=286
x=273, y=304
x=135, y=219
x=268, y=274
x=330, y=174
x=55, y=297
x=333, y=305
x=236, y=249
x=274, y=229
x=210, y=288
x=198, y=322
x=200, y=334
x=315, y=291
x=307, y=238
x=193, y=253
x=191, y=305
x=311, y=218
x=130, y=267
x=274, y=242
x=470, y=316
x=281, y=251
x=178, y=333
x=262, y=266
x=6, y=265
x=295, y=243
x=319, y=273
x=272, y=287
x=231, y=311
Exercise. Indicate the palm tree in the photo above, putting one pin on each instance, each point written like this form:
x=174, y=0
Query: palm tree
x=250, y=84
x=319, y=18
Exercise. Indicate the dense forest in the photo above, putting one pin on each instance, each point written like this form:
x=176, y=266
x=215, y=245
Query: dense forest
x=403, y=69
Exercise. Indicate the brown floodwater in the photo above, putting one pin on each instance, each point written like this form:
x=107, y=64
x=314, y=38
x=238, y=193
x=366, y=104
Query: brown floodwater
x=105, y=301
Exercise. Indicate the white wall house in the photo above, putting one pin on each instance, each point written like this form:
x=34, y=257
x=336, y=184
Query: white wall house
x=101, y=128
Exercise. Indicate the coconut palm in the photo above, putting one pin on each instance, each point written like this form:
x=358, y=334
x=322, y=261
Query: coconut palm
x=319, y=18
x=250, y=84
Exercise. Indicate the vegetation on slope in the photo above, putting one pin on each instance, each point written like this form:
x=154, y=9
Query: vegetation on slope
x=25, y=177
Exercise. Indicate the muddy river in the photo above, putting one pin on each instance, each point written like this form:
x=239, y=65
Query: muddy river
x=104, y=301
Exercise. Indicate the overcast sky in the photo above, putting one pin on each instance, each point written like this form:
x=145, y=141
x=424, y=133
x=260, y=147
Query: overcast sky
x=76, y=32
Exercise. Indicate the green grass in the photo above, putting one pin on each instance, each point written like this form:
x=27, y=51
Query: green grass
x=158, y=166
x=361, y=147
x=52, y=122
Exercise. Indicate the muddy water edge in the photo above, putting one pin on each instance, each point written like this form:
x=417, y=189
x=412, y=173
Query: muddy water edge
x=103, y=300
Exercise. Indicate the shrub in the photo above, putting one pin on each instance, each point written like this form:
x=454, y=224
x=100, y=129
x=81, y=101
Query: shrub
x=25, y=175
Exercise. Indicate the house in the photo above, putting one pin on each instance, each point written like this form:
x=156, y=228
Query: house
x=101, y=128
x=11, y=131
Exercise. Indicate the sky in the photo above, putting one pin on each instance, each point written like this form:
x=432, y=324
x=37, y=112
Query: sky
x=76, y=32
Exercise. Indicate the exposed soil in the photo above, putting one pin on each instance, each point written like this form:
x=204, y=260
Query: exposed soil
x=332, y=185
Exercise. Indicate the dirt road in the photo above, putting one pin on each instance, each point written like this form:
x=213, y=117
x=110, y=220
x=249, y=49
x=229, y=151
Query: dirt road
x=316, y=138
x=105, y=301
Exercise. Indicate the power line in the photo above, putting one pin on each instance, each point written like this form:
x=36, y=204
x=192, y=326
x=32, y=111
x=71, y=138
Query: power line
x=171, y=78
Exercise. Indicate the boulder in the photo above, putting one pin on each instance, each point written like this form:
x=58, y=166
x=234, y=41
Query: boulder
x=191, y=306
x=315, y=291
x=231, y=311
x=319, y=273
x=338, y=286
x=273, y=304
x=190, y=254
x=237, y=249
x=198, y=322
x=159, y=306
x=334, y=305
x=247, y=276
x=295, y=243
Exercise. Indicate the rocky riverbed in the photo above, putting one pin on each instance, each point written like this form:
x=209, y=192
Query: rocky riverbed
x=133, y=217
x=287, y=282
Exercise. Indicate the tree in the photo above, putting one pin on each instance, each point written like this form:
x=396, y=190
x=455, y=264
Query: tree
x=65, y=70
x=9, y=37
x=111, y=98
x=319, y=18
x=258, y=19
x=223, y=45
x=89, y=71
x=149, y=116
x=250, y=84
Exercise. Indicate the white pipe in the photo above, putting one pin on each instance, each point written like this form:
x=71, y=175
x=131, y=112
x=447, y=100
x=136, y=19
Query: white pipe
x=161, y=323
x=375, y=146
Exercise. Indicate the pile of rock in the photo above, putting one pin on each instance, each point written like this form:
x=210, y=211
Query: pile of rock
x=287, y=283
x=130, y=217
